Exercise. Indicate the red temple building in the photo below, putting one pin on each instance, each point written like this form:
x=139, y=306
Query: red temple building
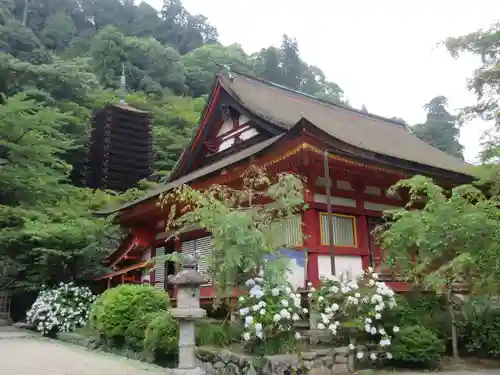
x=248, y=121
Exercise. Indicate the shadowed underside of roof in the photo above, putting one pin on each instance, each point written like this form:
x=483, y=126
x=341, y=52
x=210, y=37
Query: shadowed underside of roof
x=285, y=108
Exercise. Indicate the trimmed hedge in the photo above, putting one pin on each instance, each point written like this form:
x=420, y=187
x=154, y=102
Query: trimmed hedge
x=161, y=341
x=418, y=346
x=121, y=315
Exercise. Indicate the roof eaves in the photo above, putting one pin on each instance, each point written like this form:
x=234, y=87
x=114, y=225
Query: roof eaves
x=199, y=173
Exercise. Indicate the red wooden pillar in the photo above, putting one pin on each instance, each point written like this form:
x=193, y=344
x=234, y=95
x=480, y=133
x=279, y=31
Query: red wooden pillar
x=362, y=231
x=109, y=283
x=310, y=222
x=363, y=240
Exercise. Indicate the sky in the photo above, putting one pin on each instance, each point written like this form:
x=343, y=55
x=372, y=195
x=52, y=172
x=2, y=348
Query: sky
x=383, y=54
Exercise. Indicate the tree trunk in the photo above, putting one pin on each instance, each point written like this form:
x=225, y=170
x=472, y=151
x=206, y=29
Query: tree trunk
x=25, y=13
x=454, y=337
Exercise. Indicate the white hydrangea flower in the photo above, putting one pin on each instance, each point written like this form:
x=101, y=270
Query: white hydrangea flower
x=244, y=311
x=360, y=355
x=395, y=329
x=246, y=336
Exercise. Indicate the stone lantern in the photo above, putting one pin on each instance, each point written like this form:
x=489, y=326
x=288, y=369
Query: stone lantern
x=187, y=311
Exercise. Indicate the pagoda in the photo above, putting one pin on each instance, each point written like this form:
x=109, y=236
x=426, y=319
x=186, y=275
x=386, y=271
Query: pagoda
x=348, y=158
x=121, y=148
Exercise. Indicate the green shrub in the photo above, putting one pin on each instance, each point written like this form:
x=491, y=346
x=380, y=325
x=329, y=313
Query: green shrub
x=121, y=315
x=417, y=346
x=162, y=338
x=479, y=327
x=425, y=309
x=215, y=333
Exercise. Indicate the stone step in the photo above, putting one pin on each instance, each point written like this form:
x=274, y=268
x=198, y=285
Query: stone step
x=5, y=322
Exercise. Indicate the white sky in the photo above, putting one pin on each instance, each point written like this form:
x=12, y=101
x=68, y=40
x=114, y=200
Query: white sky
x=382, y=53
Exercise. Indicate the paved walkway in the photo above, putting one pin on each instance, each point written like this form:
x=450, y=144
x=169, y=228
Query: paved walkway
x=27, y=356
x=22, y=354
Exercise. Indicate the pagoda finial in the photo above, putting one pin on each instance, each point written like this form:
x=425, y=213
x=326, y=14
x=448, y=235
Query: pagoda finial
x=123, y=86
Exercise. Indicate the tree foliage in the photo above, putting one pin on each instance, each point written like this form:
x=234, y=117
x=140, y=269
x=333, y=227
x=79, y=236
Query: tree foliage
x=485, y=83
x=60, y=61
x=451, y=241
x=453, y=238
x=441, y=129
x=243, y=229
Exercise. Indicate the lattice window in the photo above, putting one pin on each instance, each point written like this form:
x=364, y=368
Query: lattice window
x=160, y=270
x=344, y=230
x=202, y=249
x=289, y=231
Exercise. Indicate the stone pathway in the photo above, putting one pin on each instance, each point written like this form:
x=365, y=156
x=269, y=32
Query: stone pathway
x=22, y=354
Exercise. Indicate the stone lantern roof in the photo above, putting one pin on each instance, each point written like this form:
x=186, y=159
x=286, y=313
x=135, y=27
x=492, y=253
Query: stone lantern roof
x=188, y=276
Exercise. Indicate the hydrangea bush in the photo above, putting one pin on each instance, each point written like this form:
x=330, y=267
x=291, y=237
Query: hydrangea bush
x=269, y=310
x=61, y=309
x=357, y=306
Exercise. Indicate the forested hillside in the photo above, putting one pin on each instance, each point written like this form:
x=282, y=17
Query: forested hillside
x=59, y=61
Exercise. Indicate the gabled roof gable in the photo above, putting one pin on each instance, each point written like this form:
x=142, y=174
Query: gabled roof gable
x=225, y=128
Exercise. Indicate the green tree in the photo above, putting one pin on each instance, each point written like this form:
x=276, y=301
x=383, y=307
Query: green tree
x=47, y=230
x=441, y=129
x=285, y=67
x=291, y=63
x=19, y=41
x=151, y=59
x=453, y=239
x=243, y=231
x=107, y=51
x=183, y=30
x=201, y=64
x=58, y=31
x=147, y=22
x=485, y=83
